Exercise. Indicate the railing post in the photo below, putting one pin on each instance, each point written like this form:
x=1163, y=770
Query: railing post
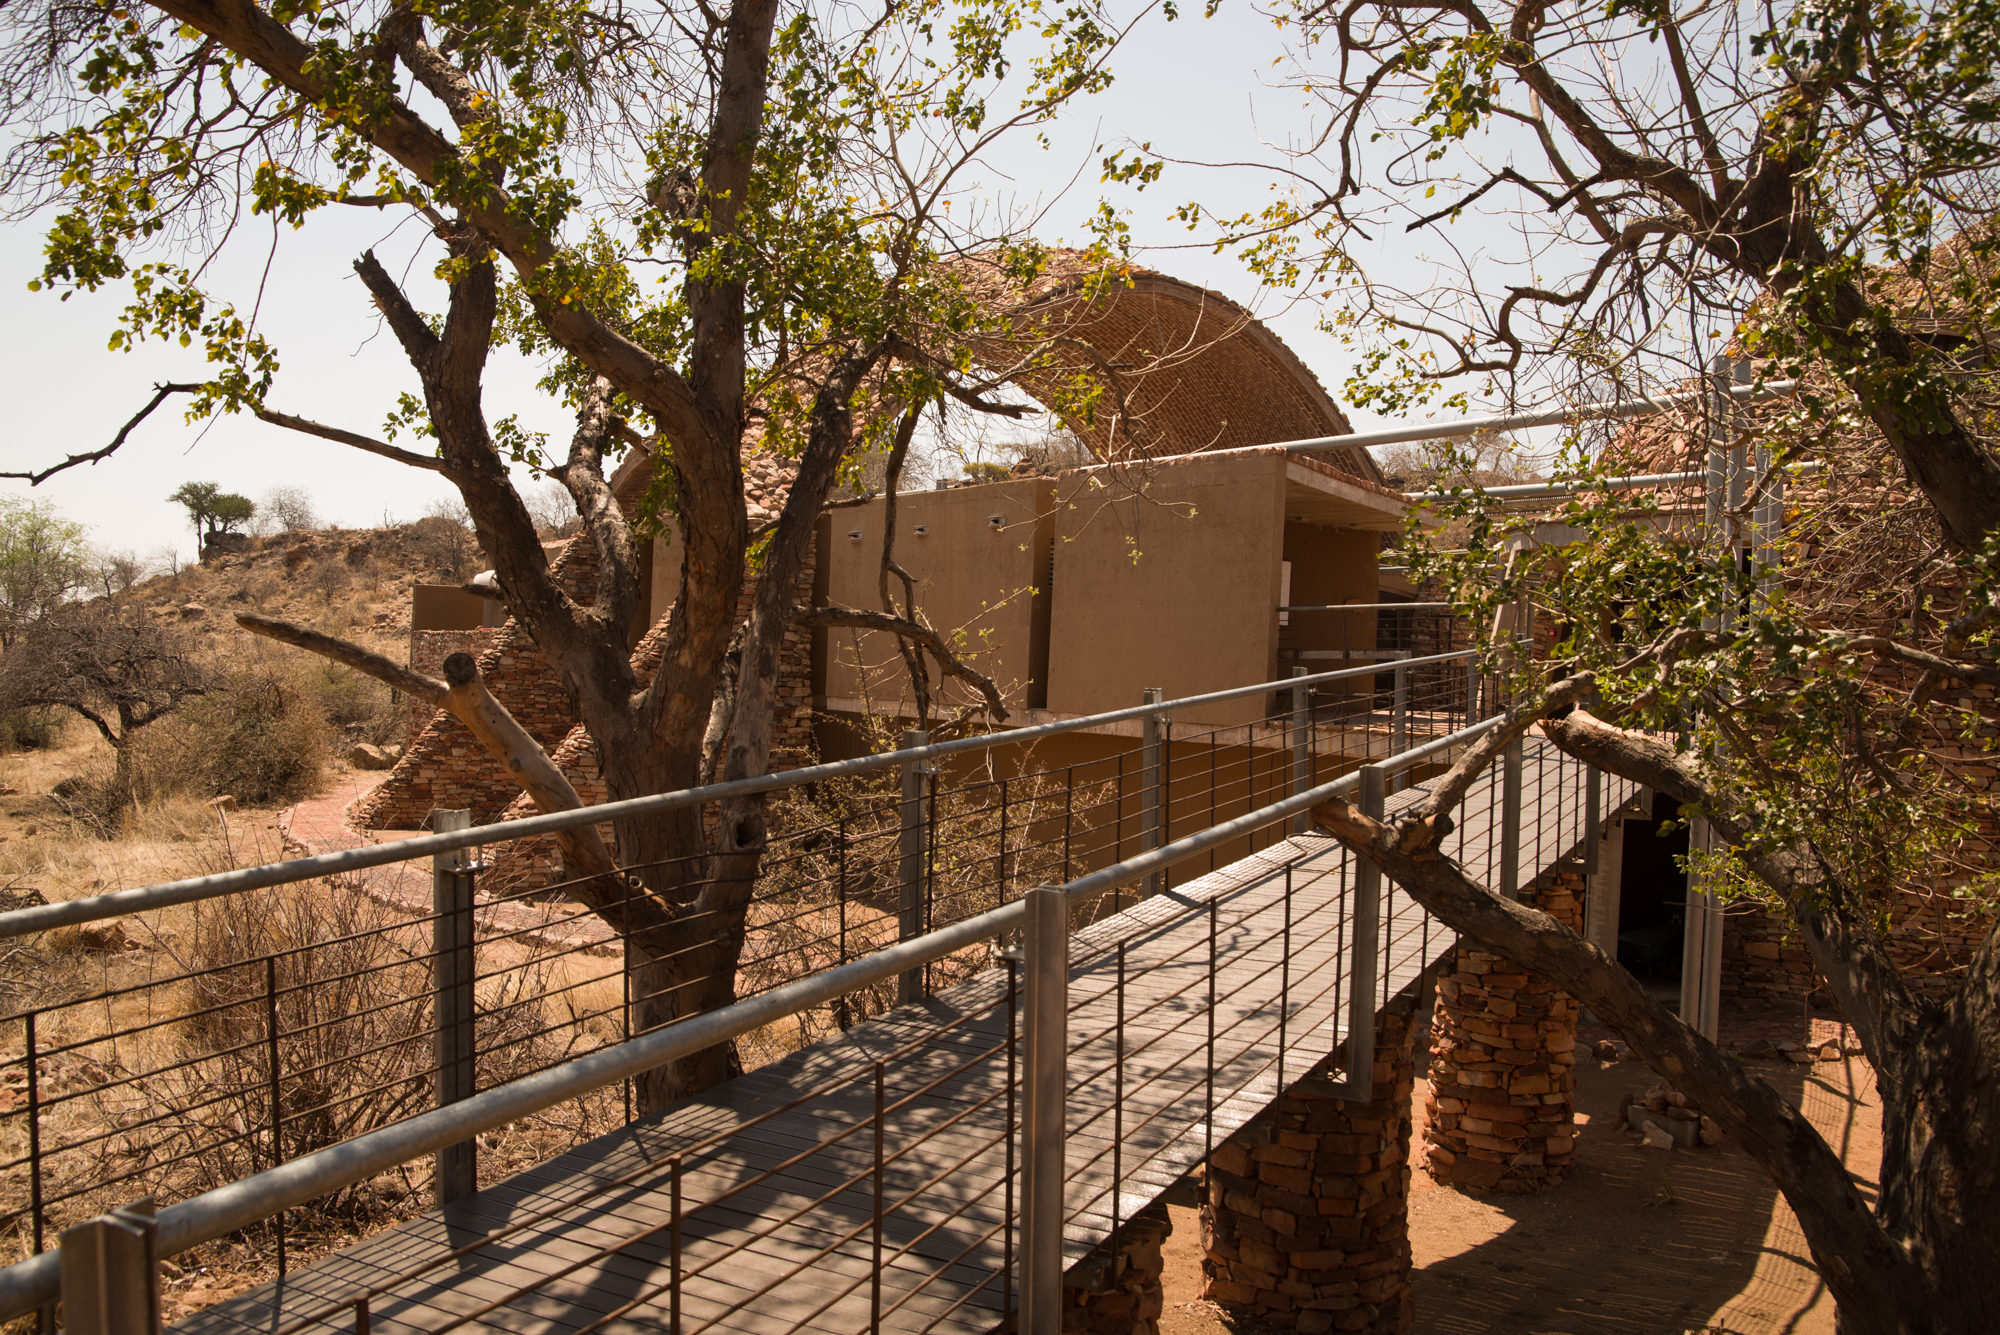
x=1471, y=691
x=1365, y=952
x=111, y=1274
x=1152, y=823
x=1593, y=819
x=1399, y=723
x=914, y=824
x=1301, y=748
x=453, y=1004
x=1510, y=821
x=1046, y=947
x=1701, y=958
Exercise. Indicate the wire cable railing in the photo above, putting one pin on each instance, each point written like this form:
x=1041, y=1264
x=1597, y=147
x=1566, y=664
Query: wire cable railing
x=553, y=1017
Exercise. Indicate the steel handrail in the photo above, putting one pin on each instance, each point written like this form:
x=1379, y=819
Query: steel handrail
x=29, y=1284
x=1460, y=427
x=118, y=903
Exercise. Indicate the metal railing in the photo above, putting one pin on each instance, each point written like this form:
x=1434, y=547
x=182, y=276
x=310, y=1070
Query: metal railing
x=977, y=843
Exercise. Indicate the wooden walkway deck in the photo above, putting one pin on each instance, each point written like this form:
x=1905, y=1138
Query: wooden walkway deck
x=778, y=1171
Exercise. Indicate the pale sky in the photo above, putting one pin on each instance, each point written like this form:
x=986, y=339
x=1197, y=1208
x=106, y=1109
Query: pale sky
x=1195, y=88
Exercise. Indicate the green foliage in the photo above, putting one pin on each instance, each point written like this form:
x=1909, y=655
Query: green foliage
x=212, y=510
x=1746, y=673
x=45, y=561
x=841, y=241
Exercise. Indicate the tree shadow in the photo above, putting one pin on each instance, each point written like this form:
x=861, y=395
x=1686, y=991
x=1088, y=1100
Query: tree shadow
x=1639, y=1240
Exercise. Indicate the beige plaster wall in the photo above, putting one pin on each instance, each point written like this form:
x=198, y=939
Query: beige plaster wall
x=1331, y=565
x=1146, y=594
x=976, y=580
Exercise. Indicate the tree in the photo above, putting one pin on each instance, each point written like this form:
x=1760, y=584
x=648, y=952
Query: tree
x=118, y=571
x=1791, y=156
x=44, y=561
x=121, y=674
x=718, y=224
x=290, y=508
x=212, y=510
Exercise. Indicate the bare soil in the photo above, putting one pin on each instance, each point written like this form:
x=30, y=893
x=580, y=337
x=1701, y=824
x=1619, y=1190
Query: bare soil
x=1637, y=1242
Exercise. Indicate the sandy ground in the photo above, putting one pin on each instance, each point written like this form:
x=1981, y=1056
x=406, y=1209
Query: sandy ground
x=1637, y=1242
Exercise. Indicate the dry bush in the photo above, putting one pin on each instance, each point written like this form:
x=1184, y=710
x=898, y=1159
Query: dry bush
x=262, y=735
x=182, y=1101
x=30, y=729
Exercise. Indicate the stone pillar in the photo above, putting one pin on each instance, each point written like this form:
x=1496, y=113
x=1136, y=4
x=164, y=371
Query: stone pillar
x=1502, y=1108
x=1116, y=1290
x=1306, y=1221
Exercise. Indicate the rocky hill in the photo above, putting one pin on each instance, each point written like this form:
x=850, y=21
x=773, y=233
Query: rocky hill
x=354, y=583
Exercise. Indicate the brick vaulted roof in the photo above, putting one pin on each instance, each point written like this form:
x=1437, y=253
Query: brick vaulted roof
x=1198, y=371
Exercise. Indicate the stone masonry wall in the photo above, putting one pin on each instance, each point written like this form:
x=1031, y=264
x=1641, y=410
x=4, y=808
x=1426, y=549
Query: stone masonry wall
x=444, y=765
x=428, y=650
x=1503, y=1076
x=1306, y=1222
x=1116, y=1290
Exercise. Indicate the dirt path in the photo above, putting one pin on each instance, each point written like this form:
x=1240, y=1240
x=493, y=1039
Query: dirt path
x=1638, y=1242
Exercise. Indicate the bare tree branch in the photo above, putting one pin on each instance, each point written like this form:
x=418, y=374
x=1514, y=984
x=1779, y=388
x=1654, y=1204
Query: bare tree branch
x=934, y=643
x=338, y=436
x=160, y=395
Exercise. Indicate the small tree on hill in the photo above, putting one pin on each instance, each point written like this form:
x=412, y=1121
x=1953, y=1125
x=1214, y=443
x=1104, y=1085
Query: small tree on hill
x=212, y=510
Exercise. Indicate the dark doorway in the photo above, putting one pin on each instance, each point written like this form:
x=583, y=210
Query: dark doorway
x=1652, y=903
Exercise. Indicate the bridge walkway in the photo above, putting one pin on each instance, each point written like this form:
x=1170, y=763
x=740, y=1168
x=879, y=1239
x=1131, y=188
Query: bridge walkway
x=870, y=1181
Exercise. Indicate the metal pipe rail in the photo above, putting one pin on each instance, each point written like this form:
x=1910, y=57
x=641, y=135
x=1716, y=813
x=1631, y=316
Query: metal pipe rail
x=1531, y=491
x=1361, y=607
x=1458, y=428
x=29, y=1284
x=118, y=903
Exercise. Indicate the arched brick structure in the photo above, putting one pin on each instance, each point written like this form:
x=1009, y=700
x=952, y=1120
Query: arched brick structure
x=1195, y=370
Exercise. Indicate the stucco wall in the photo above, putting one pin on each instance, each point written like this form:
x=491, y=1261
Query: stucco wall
x=975, y=579
x=1174, y=588
x=1330, y=565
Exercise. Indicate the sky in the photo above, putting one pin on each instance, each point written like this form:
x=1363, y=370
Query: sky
x=1198, y=89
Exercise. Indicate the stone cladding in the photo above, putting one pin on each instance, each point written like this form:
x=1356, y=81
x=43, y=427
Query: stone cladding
x=428, y=650
x=1502, y=1103
x=1116, y=1290
x=1306, y=1222
x=444, y=765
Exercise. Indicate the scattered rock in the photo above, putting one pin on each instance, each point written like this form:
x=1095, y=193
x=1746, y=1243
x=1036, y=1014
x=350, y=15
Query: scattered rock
x=369, y=756
x=227, y=802
x=1830, y=1053
x=1711, y=1131
x=192, y=610
x=103, y=938
x=1801, y=1056
x=1762, y=1047
x=31, y=831
x=9, y=792
x=1607, y=1051
x=1656, y=1138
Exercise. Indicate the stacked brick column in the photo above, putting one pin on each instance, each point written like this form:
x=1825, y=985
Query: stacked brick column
x=1306, y=1224
x=1503, y=1076
x=1117, y=1290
